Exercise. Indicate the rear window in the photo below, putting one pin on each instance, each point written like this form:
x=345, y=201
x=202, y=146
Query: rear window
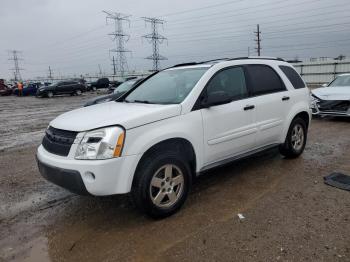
x=293, y=77
x=264, y=80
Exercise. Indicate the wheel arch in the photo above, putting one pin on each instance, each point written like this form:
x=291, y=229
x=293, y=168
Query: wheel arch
x=300, y=112
x=180, y=144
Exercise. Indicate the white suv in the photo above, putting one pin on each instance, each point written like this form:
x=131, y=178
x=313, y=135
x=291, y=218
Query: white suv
x=175, y=124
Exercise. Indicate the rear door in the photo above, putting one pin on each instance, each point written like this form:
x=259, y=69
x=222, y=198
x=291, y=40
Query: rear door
x=228, y=129
x=271, y=100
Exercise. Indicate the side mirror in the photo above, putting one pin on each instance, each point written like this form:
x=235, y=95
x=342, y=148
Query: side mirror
x=216, y=98
x=324, y=85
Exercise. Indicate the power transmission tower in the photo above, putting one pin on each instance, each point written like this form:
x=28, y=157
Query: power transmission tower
x=155, y=38
x=114, y=67
x=258, y=39
x=16, y=70
x=120, y=39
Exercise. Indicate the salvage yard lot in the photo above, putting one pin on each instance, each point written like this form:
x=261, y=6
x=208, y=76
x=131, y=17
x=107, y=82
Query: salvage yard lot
x=289, y=213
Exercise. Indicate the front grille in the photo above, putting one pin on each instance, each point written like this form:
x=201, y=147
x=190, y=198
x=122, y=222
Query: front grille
x=57, y=141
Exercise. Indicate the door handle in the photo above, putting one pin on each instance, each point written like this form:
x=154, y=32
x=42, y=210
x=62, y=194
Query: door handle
x=285, y=98
x=248, y=107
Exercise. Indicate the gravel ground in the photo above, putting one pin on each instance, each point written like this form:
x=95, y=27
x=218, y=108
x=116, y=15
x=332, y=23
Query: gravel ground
x=290, y=214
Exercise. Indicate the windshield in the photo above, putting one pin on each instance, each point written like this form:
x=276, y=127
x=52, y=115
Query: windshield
x=124, y=87
x=341, y=81
x=167, y=87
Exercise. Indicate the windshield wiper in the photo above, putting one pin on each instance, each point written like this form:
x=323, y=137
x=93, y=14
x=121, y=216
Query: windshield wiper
x=138, y=101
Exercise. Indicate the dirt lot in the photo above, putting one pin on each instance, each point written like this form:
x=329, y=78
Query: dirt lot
x=290, y=215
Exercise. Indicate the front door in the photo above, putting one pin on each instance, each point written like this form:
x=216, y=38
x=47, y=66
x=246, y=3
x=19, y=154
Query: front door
x=229, y=129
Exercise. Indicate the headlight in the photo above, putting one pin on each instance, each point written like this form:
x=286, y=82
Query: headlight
x=104, y=143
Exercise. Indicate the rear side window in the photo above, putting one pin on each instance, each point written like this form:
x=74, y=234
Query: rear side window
x=293, y=77
x=264, y=80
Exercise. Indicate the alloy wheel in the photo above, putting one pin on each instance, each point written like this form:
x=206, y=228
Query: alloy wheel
x=166, y=186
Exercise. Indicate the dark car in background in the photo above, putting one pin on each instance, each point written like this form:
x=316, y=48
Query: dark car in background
x=4, y=89
x=60, y=88
x=113, y=85
x=100, y=83
x=28, y=90
x=119, y=91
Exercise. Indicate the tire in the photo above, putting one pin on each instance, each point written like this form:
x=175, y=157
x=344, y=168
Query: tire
x=78, y=92
x=156, y=193
x=94, y=88
x=49, y=94
x=294, y=144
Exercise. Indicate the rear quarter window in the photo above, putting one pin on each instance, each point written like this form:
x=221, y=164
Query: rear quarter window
x=293, y=77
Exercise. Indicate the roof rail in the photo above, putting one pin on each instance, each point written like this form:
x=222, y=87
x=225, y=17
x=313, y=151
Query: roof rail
x=185, y=64
x=228, y=59
x=258, y=57
x=213, y=60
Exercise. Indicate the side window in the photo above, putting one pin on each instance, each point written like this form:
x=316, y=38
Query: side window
x=230, y=81
x=264, y=80
x=293, y=77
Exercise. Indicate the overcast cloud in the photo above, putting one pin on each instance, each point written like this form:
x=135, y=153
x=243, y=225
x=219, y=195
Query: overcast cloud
x=71, y=36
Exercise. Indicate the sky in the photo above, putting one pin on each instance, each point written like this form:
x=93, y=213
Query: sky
x=71, y=36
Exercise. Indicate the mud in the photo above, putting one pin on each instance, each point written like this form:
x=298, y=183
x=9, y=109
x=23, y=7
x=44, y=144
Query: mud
x=290, y=215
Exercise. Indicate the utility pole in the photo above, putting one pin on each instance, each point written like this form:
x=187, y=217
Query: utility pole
x=114, y=67
x=16, y=70
x=100, y=70
x=50, y=73
x=258, y=39
x=155, y=39
x=120, y=39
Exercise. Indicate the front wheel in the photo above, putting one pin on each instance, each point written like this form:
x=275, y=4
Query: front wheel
x=161, y=185
x=296, y=139
x=50, y=94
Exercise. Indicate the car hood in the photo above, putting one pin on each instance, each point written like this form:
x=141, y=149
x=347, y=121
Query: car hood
x=333, y=93
x=128, y=115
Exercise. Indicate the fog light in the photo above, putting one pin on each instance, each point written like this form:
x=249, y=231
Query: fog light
x=89, y=176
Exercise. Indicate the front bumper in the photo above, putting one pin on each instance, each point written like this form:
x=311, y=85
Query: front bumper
x=95, y=177
x=68, y=179
x=317, y=109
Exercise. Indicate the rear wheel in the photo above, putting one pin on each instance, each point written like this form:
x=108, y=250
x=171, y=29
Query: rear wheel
x=78, y=92
x=161, y=185
x=296, y=139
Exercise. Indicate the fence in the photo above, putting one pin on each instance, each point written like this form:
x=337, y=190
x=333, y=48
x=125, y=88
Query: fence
x=318, y=73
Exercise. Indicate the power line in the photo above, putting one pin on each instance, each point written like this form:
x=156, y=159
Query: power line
x=258, y=39
x=120, y=38
x=16, y=70
x=155, y=38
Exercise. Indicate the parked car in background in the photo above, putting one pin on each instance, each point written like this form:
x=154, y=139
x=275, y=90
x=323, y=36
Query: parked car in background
x=5, y=90
x=28, y=89
x=113, y=85
x=62, y=87
x=100, y=83
x=119, y=91
x=332, y=99
x=176, y=124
